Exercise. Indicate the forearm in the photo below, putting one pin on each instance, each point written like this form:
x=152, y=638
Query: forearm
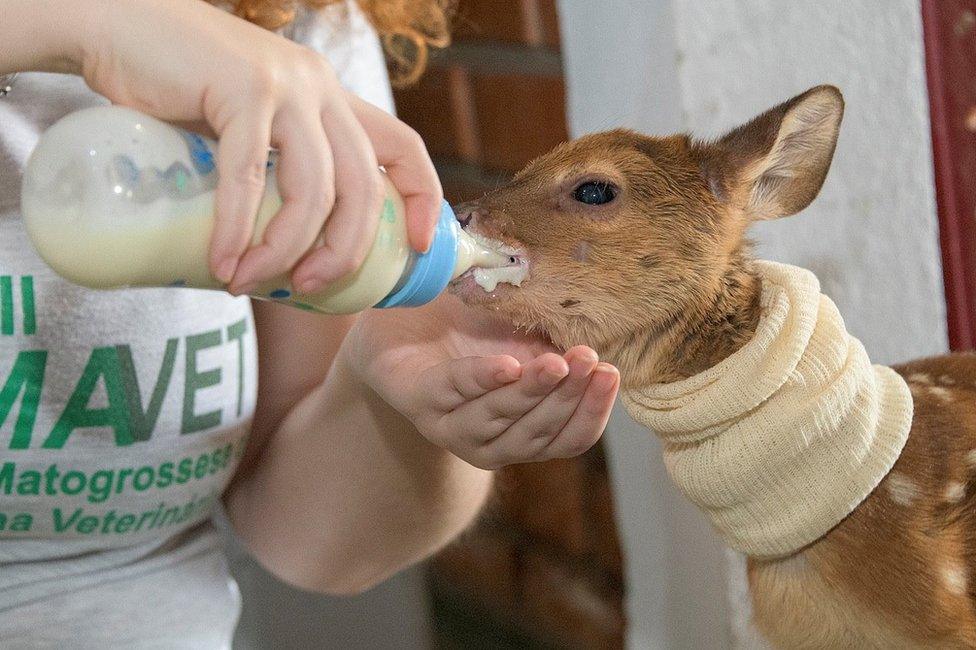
x=45, y=35
x=347, y=492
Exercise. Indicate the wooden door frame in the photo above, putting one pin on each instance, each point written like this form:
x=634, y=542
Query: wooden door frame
x=950, y=62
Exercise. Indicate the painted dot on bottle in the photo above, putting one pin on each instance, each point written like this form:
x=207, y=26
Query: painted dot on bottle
x=279, y=294
x=389, y=212
x=180, y=178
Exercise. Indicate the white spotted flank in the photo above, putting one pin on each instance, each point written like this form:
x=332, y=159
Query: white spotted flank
x=919, y=378
x=955, y=579
x=955, y=491
x=901, y=489
x=943, y=394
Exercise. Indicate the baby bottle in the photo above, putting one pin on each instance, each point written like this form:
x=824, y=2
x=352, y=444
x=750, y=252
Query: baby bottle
x=114, y=198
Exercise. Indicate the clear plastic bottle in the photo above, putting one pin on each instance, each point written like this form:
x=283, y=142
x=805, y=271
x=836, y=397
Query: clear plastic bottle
x=114, y=198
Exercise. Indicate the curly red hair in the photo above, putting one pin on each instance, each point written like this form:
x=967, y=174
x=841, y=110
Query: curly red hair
x=408, y=28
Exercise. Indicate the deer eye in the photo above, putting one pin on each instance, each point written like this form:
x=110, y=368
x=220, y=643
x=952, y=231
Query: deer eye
x=595, y=193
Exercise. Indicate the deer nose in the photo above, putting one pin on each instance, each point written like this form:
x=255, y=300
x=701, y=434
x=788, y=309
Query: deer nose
x=467, y=213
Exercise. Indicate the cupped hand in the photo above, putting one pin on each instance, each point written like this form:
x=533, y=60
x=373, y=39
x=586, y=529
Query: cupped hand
x=186, y=61
x=473, y=386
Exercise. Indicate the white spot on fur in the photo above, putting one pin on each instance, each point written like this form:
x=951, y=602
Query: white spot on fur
x=943, y=394
x=581, y=253
x=955, y=579
x=919, y=378
x=946, y=380
x=901, y=489
x=971, y=458
x=955, y=491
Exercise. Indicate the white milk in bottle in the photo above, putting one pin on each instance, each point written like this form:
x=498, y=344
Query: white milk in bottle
x=114, y=198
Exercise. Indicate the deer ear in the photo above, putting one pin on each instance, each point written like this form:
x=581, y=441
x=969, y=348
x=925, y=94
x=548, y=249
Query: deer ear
x=775, y=165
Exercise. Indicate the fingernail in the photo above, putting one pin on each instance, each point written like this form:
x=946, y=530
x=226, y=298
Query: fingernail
x=506, y=375
x=589, y=356
x=309, y=285
x=604, y=381
x=551, y=376
x=584, y=363
x=226, y=269
x=245, y=289
x=422, y=246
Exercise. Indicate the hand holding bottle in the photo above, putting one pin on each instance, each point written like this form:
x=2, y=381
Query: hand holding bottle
x=186, y=61
x=114, y=198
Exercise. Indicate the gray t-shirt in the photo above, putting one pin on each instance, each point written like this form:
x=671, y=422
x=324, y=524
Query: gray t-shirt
x=123, y=414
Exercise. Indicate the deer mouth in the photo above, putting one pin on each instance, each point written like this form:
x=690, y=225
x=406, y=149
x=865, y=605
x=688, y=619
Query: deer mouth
x=489, y=280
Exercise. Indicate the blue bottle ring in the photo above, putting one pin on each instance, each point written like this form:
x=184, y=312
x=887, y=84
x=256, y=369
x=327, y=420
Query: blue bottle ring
x=432, y=271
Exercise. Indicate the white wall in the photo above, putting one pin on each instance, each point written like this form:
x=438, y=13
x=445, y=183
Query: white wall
x=620, y=58
x=871, y=236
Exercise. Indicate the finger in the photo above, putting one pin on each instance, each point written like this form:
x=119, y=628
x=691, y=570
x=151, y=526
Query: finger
x=533, y=432
x=466, y=379
x=306, y=184
x=201, y=127
x=404, y=156
x=242, y=154
x=590, y=418
x=490, y=415
x=360, y=192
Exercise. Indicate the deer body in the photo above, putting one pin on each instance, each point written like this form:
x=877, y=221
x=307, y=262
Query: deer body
x=898, y=571
x=636, y=247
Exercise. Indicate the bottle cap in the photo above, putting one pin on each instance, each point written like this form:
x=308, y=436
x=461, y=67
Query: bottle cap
x=432, y=271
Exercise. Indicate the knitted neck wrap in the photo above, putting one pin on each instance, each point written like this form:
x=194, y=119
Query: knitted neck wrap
x=784, y=438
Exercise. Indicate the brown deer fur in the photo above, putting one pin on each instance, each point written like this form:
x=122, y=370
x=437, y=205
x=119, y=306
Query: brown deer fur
x=659, y=282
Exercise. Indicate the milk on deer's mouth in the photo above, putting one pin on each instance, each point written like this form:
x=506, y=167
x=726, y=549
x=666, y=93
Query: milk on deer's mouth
x=509, y=265
x=489, y=279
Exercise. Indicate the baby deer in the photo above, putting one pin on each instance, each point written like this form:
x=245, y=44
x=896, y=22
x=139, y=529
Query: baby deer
x=636, y=246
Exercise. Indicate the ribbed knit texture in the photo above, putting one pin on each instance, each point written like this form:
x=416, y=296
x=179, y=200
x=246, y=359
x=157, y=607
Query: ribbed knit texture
x=784, y=438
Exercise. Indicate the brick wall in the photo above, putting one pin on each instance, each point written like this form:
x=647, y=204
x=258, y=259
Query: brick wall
x=543, y=569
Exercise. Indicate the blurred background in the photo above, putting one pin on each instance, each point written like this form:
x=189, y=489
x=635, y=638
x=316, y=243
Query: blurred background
x=600, y=551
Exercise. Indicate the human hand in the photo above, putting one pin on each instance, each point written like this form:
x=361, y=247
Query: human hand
x=186, y=61
x=471, y=385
